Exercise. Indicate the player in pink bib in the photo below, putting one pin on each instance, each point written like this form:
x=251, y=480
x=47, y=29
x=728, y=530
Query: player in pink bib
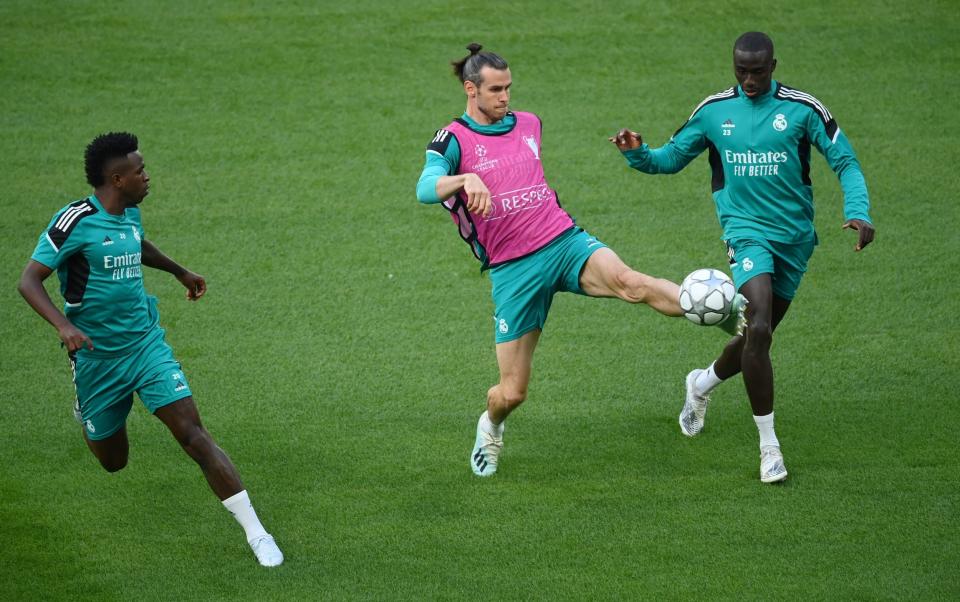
x=484, y=167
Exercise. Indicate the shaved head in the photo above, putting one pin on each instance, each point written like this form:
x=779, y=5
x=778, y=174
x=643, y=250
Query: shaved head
x=754, y=41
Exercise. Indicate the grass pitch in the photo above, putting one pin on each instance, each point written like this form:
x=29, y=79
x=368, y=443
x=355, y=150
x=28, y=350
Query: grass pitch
x=343, y=352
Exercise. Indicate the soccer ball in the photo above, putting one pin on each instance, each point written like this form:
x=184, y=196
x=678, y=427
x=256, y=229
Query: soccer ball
x=706, y=296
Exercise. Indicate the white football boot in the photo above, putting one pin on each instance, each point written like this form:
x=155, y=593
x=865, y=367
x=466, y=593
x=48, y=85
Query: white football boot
x=486, y=451
x=266, y=550
x=694, y=407
x=737, y=321
x=772, y=469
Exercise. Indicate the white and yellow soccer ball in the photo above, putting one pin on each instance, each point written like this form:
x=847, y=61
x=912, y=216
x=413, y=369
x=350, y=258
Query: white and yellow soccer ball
x=706, y=296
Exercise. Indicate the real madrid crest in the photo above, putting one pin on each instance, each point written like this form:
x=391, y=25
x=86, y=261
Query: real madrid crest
x=780, y=122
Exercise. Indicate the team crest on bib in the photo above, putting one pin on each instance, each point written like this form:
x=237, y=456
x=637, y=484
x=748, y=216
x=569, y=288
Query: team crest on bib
x=780, y=122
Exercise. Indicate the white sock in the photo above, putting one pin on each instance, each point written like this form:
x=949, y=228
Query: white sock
x=765, y=426
x=239, y=505
x=707, y=380
x=487, y=426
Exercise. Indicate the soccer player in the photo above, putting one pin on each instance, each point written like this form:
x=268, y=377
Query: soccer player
x=111, y=326
x=759, y=135
x=484, y=167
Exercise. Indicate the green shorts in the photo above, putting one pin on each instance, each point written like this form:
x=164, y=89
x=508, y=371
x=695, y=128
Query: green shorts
x=785, y=263
x=105, y=386
x=523, y=289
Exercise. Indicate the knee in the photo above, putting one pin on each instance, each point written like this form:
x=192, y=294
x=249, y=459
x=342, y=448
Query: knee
x=759, y=334
x=631, y=286
x=113, y=464
x=513, y=395
x=196, y=441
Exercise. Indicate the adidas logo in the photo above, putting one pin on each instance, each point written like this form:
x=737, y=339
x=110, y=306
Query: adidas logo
x=728, y=124
x=479, y=460
x=107, y=241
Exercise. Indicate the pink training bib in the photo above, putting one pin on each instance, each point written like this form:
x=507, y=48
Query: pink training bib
x=526, y=215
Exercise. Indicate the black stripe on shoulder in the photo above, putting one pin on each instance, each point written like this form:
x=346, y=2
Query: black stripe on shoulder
x=788, y=94
x=727, y=94
x=68, y=219
x=440, y=141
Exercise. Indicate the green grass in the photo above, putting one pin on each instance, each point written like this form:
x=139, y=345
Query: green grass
x=343, y=352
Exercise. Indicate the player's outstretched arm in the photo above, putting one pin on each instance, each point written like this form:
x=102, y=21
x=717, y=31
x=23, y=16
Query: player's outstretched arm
x=865, y=232
x=31, y=287
x=152, y=257
x=626, y=139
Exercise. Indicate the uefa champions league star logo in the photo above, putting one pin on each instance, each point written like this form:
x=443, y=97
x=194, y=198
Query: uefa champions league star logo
x=483, y=163
x=780, y=122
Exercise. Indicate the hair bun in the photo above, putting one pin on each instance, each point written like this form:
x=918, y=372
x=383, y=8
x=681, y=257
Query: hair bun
x=474, y=48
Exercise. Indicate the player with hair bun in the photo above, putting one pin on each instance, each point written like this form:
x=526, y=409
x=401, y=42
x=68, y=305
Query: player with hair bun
x=484, y=168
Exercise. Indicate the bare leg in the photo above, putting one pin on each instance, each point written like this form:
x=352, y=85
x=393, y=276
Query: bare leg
x=515, y=359
x=750, y=353
x=112, y=452
x=728, y=364
x=183, y=420
x=606, y=275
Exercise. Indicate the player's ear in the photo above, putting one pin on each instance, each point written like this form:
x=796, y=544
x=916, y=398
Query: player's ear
x=470, y=88
x=773, y=65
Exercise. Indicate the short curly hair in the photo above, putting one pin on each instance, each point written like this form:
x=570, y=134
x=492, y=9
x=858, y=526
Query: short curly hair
x=114, y=145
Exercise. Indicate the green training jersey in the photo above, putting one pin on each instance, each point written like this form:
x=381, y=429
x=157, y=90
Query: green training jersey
x=97, y=259
x=759, y=155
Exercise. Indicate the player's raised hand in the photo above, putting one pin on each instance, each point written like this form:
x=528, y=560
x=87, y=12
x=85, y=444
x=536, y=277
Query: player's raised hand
x=73, y=338
x=865, y=232
x=626, y=139
x=478, y=196
x=195, y=283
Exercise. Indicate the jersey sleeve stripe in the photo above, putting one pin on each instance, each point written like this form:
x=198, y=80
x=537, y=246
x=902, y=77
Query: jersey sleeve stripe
x=728, y=93
x=824, y=113
x=56, y=247
x=69, y=215
x=64, y=225
x=807, y=99
x=440, y=142
x=820, y=106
